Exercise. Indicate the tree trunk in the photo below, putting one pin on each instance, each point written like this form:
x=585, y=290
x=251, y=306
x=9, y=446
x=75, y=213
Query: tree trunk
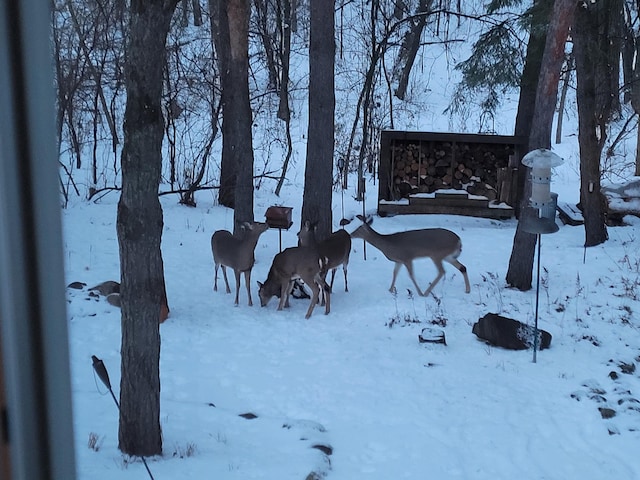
x=236, y=176
x=239, y=108
x=318, y=178
x=631, y=74
x=409, y=48
x=520, y=272
x=197, y=13
x=594, y=99
x=284, y=21
x=139, y=227
x=226, y=196
x=563, y=97
x=268, y=38
x=215, y=108
x=284, y=110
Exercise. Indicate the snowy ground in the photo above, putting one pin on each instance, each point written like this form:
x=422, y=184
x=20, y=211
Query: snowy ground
x=381, y=404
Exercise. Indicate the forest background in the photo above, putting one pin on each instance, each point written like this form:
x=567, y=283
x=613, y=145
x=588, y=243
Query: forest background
x=384, y=53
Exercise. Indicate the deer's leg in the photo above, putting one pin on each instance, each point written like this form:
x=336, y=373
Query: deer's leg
x=236, y=273
x=284, y=295
x=344, y=270
x=333, y=277
x=290, y=287
x=409, y=266
x=224, y=274
x=463, y=270
x=323, y=281
x=315, y=290
x=437, y=279
x=247, y=282
x=326, y=292
x=215, y=277
x=396, y=269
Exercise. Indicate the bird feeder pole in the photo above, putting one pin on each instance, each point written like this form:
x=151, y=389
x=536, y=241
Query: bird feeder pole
x=541, y=161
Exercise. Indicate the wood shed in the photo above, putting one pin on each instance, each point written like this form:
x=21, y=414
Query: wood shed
x=452, y=173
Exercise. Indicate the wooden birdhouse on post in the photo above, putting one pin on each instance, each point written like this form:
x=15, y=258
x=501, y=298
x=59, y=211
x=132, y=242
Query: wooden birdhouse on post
x=279, y=217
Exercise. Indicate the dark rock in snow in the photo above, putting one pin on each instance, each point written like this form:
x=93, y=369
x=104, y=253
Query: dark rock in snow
x=509, y=333
x=607, y=412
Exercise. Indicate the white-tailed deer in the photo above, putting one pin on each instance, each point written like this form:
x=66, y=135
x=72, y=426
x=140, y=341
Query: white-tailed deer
x=236, y=252
x=402, y=248
x=290, y=264
x=335, y=248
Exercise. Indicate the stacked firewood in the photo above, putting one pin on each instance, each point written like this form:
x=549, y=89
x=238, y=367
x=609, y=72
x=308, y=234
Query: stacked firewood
x=424, y=167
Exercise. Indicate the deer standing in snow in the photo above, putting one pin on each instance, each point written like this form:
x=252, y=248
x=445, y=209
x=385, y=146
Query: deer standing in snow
x=335, y=248
x=237, y=253
x=291, y=264
x=439, y=244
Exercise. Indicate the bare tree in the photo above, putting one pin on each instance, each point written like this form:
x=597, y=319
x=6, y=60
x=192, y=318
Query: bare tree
x=631, y=67
x=139, y=226
x=87, y=47
x=409, y=48
x=284, y=16
x=268, y=32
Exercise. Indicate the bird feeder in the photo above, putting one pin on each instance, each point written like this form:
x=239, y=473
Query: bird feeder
x=279, y=217
x=541, y=161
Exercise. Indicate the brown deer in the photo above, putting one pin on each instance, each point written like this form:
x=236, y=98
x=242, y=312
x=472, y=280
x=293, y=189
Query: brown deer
x=236, y=252
x=402, y=248
x=291, y=264
x=335, y=248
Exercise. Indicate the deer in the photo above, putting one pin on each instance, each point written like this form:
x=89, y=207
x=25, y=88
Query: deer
x=438, y=244
x=335, y=248
x=291, y=264
x=237, y=253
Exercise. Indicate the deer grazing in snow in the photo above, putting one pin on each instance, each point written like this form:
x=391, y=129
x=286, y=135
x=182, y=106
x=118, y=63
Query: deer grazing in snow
x=291, y=264
x=335, y=248
x=237, y=253
x=402, y=248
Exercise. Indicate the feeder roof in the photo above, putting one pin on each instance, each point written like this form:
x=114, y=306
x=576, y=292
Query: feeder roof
x=542, y=158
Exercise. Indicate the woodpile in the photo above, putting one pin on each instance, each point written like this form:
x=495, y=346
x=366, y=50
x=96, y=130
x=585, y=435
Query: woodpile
x=622, y=200
x=424, y=167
